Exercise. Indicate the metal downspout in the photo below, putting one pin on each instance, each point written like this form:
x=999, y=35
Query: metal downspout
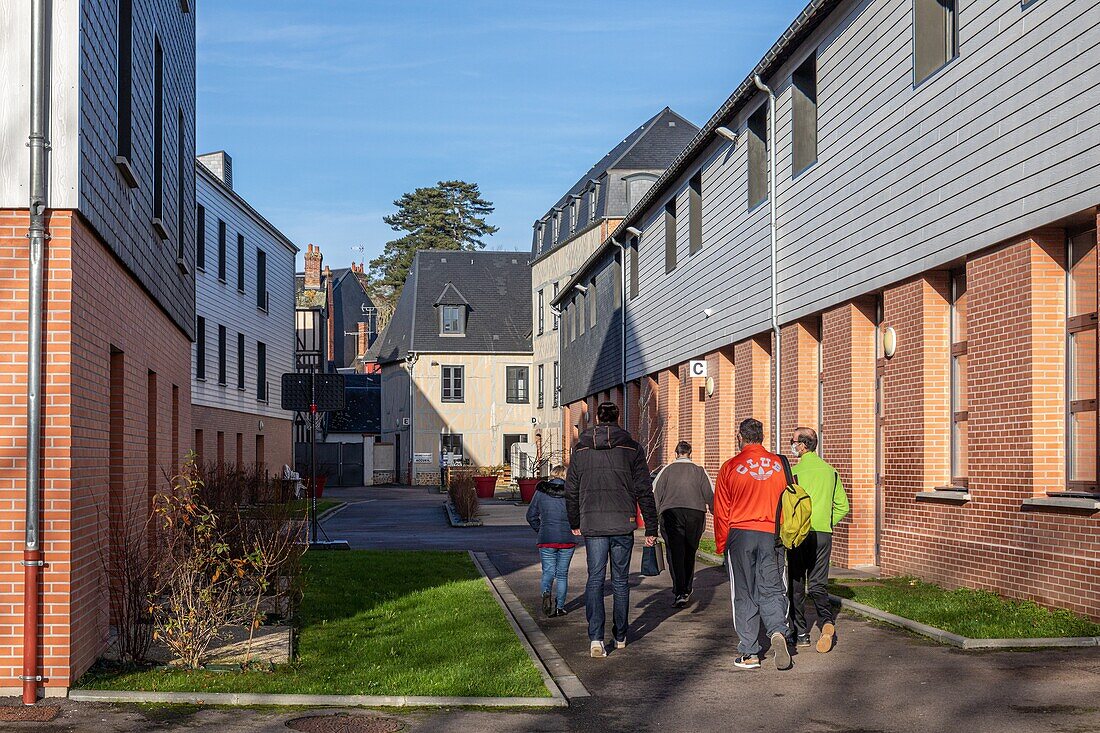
x=36, y=234
x=776, y=347
x=622, y=327
x=410, y=362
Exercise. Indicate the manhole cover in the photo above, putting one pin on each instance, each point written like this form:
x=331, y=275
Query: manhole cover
x=344, y=723
x=28, y=713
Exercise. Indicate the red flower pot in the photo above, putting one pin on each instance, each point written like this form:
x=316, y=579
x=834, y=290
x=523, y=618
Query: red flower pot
x=486, y=486
x=527, y=489
x=321, y=485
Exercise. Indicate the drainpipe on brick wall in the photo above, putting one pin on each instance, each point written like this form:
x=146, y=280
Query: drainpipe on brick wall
x=776, y=348
x=36, y=234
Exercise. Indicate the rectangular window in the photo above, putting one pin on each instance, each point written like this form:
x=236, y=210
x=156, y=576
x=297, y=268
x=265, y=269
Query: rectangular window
x=935, y=37
x=158, y=129
x=959, y=414
x=453, y=320
x=633, y=268
x=221, y=250
x=453, y=383
x=541, y=308
x=593, y=200
x=221, y=355
x=200, y=236
x=804, y=115
x=758, y=157
x=592, y=303
x=261, y=279
x=1081, y=362
x=617, y=282
x=181, y=170
x=541, y=375
x=556, y=317
x=557, y=383
x=240, y=361
x=450, y=444
x=573, y=216
x=200, y=348
x=124, y=78
x=518, y=388
x=695, y=213
x=580, y=310
x=670, y=236
x=240, y=262
x=261, y=371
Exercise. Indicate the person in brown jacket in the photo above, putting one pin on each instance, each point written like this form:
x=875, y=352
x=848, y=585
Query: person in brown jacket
x=683, y=493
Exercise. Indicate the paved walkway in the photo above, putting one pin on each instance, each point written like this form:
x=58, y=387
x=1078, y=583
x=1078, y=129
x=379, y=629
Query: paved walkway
x=677, y=673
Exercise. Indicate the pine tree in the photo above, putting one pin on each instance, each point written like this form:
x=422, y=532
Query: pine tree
x=450, y=215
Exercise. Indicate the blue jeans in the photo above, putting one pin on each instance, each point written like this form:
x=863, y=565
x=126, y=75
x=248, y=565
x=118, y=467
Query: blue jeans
x=555, y=565
x=618, y=547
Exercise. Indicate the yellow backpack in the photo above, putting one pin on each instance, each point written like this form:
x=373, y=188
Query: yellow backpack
x=792, y=514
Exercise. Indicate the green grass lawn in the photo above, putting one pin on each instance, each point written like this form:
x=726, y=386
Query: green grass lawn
x=971, y=613
x=707, y=545
x=379, y=623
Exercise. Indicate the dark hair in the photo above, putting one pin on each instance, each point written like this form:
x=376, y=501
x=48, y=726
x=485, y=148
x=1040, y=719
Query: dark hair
x=807, y=437
x=683, y=448
x=607, y=413
x=752, y=430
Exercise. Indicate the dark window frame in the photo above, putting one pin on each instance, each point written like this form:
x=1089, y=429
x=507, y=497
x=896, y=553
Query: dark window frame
x=555, y=316
x=542, y=386
x=757, y=153
x=557, y=384
x=452, y=383
x=670, y=235
x=517, y=391
x=541, y=308
x=240, y=360
x=261, y=279
x=124, y=83
x=804, y=129
x=443, y=320
x=634, y=281
x=158, y=129
x=447, y=440
x=200, y=348
x=695, y=213
x=222, y=357
x=926, y=12
x=261, y=371
x=240, y=262
x=200, y=237
x=222, y=234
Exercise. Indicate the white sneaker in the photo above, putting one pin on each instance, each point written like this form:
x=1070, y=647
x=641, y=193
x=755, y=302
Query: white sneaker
x=620, y=644
x=597, y=650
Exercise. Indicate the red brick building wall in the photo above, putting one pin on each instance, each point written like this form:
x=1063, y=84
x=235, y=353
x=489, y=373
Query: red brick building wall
x=96, y=315
x=668, y=410
x=275, y=441
x=752, y=390
x=720, y=430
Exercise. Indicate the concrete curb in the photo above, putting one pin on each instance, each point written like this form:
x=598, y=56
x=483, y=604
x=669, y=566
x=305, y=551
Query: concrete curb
x=560, y=679
x=329, y=513
x=457, y=522
x=343, y=701
x=962, y=642
x=708, y=557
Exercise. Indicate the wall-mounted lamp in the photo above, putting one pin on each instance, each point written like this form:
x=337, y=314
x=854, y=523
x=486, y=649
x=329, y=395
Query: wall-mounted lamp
x=889, y=342
x=581, y=288
x=634, y=231
x=708, y=312
x=435, y=363
x=727, y=133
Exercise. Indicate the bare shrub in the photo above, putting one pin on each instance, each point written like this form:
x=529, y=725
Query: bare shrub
x=462, y=492
x=128, y=566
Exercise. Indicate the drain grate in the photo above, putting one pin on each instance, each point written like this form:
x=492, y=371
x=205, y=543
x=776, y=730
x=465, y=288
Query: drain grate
x=28, y=713
x=343, y=723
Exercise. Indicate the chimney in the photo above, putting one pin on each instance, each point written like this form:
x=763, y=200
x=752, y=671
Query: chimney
x=221, y=165
x=362, y=339
x=313, y=267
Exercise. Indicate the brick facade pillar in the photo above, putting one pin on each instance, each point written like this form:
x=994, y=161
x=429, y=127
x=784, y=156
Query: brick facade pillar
x=798, y=400
x=917, y=425
x=848, y=353
x=693, y=414
x=753, y=387
x=668, y=403
x=719, y=426
x=633, y=409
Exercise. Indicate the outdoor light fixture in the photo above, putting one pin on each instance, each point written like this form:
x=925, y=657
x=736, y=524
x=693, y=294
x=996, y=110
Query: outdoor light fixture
x=727, y=133
x=889, y=342
x=708, y=312
x=634, y=231
x=581, y=288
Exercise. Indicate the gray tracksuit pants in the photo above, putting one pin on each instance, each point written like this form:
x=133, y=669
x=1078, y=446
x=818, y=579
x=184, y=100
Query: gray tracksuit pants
x=757, y=586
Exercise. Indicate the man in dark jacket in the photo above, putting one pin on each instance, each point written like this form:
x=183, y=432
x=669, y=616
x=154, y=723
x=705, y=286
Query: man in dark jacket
x=608, y=477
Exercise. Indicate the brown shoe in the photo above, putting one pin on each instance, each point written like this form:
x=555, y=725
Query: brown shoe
x=828, y=636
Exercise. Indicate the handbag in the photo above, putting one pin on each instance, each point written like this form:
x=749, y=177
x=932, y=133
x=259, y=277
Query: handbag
x=653, y=561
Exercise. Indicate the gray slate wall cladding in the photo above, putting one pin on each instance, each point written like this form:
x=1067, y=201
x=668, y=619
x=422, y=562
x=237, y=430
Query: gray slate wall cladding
x=121, y=215
x=1000, y=141
x=591, y=362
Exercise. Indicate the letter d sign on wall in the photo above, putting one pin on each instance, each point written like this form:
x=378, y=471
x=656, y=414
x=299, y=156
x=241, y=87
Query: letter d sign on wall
x=698, y=368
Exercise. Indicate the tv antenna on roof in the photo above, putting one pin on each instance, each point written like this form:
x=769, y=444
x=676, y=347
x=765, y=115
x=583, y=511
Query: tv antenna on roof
x=360, y=248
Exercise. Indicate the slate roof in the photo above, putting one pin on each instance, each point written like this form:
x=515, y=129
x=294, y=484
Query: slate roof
x=497, y=287
x=362, y=411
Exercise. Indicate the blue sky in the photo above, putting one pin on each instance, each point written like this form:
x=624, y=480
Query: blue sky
x=331, y=109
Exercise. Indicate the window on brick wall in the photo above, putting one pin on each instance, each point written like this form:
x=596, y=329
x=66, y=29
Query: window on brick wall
x=959, y=414
x=1081, y=362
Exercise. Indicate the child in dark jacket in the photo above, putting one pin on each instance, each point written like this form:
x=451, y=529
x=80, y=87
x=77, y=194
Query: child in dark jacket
x=548, y=517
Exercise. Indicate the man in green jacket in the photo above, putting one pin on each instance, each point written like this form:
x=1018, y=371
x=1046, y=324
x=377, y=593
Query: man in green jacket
x=808, y=564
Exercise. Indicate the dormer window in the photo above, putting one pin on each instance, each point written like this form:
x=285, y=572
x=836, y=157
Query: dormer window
x=453, y=320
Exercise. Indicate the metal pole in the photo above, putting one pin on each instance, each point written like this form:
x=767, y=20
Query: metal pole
x=776, y=347
x=313, y=457
x=36, y=234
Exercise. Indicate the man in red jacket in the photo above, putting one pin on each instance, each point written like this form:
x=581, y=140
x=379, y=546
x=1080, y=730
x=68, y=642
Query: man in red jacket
x=746, y=495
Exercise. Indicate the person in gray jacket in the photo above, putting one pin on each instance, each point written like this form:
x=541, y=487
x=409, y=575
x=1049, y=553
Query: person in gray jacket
x=684, y=493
